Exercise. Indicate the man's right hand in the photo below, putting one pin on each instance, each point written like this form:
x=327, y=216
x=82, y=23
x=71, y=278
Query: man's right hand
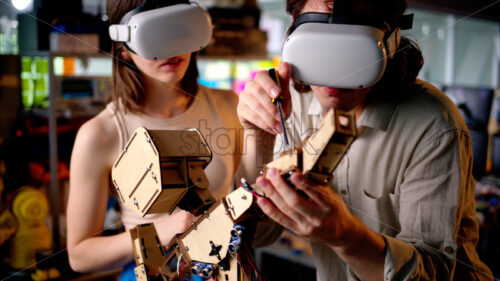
x=255, y=107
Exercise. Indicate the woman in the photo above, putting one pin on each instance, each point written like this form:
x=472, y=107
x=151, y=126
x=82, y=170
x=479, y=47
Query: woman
x=401, y=205
x=160, y=94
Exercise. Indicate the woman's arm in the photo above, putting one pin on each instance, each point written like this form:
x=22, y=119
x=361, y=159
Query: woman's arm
x=96, y=146
x=96, y=149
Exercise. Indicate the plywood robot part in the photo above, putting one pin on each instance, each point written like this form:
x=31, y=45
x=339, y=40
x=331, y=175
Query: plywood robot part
x=320, y=154
x=161, y=170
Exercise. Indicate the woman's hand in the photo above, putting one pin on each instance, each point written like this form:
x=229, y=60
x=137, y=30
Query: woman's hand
x=176, y=223
x=323, y=217
x=255, y=106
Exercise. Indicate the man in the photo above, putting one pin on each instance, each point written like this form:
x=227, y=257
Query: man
x=400, y=206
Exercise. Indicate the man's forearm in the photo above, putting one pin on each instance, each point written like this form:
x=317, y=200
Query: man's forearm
x=364, y=253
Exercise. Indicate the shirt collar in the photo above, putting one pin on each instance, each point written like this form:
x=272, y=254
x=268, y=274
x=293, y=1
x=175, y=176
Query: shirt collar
x=377, y=115
x=314, y=106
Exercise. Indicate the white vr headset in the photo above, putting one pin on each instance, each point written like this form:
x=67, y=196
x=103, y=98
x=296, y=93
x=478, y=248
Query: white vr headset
x=348, y=56
x=166, y=32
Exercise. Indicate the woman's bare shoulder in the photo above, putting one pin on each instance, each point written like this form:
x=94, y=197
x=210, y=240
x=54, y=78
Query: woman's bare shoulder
x=99, y=135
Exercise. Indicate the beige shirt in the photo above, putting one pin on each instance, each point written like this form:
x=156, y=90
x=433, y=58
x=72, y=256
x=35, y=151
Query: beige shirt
x=213, y=112
x=408, y=177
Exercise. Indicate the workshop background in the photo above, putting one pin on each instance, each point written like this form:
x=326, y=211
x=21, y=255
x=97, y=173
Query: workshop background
x=55, y=73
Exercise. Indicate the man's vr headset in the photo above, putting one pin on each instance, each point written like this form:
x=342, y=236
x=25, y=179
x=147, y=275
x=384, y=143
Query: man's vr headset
x=338, y=50
x=160, y=33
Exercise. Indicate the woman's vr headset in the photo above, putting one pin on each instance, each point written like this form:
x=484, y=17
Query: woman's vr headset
x=340, y=52
x=161, y=33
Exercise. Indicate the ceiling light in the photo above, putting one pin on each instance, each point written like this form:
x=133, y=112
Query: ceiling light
x=22, y=5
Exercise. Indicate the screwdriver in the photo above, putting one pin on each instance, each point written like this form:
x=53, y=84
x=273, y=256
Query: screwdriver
x=278, y=101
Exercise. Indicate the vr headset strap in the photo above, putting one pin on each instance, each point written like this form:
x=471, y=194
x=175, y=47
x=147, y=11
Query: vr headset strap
x=119, y=32
x=406, y=22
x=392, y=41
x=312, y=17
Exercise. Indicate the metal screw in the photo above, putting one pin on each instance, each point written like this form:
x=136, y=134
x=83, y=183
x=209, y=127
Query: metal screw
x=195, y=228
x=149, y=166
x=187, y=249
x=124, y=149
x=148, y=140
x=153, y=175
x=135, y=202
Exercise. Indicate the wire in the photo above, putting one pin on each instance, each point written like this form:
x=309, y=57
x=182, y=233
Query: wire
x=253, y=266
x=178, y=264
x=249, y=188
x=255, y=194
x=242, y=271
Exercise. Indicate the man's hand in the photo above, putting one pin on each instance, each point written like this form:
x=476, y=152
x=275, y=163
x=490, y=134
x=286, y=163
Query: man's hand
x=323, y=217
x=255, y=107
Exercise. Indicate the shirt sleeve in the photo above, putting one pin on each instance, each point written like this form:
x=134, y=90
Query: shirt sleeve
x=436, y=211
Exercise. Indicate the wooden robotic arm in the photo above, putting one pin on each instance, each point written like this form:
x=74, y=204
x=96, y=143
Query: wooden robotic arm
x=318, y=155
x=160, y=170
x=208, y=248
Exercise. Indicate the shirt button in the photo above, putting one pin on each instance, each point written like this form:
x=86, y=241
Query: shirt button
x=343, y=191
x=448, y=250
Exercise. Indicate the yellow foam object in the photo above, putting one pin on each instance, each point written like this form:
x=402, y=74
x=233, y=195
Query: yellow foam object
x=30, y=207
x=48, y=274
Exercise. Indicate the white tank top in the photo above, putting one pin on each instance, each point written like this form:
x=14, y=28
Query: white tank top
x=213, y=112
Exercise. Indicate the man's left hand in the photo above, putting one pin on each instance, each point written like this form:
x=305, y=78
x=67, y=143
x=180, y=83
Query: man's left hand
x=323, y=217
